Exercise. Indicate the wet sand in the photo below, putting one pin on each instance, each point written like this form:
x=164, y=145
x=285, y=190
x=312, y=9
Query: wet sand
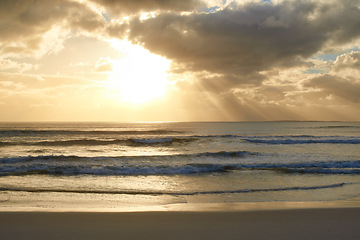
x=318, y=223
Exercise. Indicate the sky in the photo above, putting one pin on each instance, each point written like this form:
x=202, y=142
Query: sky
x=170, y=60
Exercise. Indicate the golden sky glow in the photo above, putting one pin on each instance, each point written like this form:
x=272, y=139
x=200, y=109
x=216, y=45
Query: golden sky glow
x=190, y=60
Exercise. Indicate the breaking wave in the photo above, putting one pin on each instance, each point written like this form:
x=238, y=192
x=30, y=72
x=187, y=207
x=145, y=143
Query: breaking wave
x=169, y=140
x=73, y=158
x=182, y=164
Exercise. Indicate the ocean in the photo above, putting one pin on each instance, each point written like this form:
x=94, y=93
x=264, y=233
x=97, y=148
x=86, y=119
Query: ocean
x=124, y=165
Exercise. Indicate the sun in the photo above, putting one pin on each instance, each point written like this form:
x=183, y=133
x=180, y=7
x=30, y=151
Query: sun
x=138, y=76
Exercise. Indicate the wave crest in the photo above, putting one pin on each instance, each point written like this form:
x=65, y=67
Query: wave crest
x=197, y=163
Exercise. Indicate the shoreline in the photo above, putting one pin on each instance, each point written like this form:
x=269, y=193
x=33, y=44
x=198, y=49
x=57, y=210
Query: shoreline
x=198, y=207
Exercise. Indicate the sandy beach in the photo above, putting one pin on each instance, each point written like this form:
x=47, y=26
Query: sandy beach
x=301, y=223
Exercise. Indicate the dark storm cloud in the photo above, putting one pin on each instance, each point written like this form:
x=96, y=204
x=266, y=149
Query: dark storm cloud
x=134, y=6
x=345, y=88
x=241, y=41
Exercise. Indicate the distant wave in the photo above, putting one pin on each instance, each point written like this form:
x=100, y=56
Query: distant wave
x=348, y=126
x=181, y=164
x=152, y=141
x=160, y=141
x=71, y=170
x=303, y=139
x=5, y=143
x=79, y=142
x=225, y=154
x=339, y=126
x=340, y=167
x=10, y=133
x=73, y=158
x=217, y=136
x=74, y=142
x=168, y=140
x=99, y=142
x=174, y=193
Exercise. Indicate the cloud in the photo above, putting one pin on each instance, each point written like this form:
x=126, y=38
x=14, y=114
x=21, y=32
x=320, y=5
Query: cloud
x=132, y=7
x=344, y=88
x=348, y=61
x=27, y=26
x=241, y=41
x=272, y=22
x=253, y=57
x=343, y=79
x=104, y=64
x=10, y=65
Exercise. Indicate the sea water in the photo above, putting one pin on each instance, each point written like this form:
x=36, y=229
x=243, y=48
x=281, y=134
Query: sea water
x=119, y=165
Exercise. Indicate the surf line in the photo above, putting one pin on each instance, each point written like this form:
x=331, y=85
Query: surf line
x=33, y=190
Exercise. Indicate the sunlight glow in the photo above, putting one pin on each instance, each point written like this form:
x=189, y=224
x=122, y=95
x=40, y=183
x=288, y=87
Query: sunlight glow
x=138, y=76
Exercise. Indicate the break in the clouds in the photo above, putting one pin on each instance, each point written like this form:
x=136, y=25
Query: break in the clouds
x=229, y=60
